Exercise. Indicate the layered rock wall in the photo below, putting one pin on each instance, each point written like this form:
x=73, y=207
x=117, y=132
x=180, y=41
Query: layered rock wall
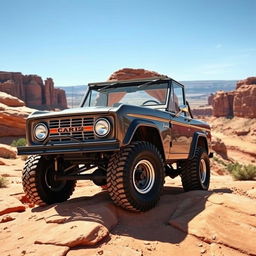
x=35, y=92
x=240, y=103
x=13, y=116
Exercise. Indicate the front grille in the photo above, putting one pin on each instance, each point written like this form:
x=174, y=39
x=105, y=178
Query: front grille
x=77, y=128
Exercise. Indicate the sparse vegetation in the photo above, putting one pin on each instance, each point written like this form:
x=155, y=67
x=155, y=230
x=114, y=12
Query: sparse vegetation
x=19, y=142
x=242, y=172
x=3, y=182
x=219, y=161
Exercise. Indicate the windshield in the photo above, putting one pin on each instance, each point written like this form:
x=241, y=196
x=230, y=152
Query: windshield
x=139, y=95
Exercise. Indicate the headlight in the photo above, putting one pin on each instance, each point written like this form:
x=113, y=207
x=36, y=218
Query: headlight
x=41, y=131
x=102, y=127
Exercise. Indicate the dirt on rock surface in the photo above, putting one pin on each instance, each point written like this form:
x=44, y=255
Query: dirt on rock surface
x=220, y=221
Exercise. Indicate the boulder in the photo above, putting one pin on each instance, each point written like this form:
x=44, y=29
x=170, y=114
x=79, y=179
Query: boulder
x=13, y=120
x=219, y=147
x=7, y=151
x=242, y=132
x=131, y=73
x=11, y=101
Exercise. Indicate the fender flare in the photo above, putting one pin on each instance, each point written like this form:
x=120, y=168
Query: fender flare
x=194, y=143
x=135, y=124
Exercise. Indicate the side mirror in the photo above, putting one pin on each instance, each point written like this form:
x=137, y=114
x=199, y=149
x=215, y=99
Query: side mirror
x=182, y=108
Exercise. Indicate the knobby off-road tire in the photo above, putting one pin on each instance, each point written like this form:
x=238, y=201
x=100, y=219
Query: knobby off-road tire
x=195, y=174
x=135, y=176
x=39, y=184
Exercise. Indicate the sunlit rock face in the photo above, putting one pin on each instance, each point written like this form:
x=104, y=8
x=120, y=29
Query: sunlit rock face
x=240, y=103
x=31, y=89
x=131, y=73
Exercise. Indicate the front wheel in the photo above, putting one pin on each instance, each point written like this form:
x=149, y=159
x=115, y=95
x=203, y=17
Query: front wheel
x=195, y=172
x=135, y=176
x=40, y=185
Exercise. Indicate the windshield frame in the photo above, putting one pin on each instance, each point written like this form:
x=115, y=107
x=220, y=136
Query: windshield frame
x=138, y=83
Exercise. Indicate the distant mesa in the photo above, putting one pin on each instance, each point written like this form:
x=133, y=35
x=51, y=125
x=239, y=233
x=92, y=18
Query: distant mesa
x=33, y=91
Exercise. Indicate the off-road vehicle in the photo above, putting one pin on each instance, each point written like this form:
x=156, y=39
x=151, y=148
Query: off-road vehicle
x=127, y=135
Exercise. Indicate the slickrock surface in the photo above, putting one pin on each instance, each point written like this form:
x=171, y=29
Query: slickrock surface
x=220, y=221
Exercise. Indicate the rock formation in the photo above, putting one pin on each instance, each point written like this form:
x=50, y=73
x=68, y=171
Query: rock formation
x=202, y=111
x=13, y=116
x=219, y=147
x=33, y=91
x=222, y=104
x=248, y=81
x=131, y=73
x=245, y=101
x=240, y=103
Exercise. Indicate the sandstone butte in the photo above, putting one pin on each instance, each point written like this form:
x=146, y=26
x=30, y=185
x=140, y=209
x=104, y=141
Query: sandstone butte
x=33, y=91
x=238, y=103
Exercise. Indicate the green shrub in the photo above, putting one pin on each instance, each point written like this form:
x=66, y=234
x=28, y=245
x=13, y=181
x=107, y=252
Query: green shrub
x=242, y=172
x=3, y=182
x=219, y=161
x=19, y=142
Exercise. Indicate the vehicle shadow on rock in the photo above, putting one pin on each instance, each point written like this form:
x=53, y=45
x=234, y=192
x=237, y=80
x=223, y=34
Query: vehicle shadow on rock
x=167, y=222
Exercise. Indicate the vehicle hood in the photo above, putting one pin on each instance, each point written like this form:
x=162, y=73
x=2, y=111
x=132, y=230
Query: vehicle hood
x=72, y=111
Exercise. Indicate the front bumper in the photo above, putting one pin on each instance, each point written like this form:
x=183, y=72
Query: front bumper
x=54, y=149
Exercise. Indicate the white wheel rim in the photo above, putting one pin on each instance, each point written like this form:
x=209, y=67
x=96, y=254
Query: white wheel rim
x=143, y=176
x=202, y=170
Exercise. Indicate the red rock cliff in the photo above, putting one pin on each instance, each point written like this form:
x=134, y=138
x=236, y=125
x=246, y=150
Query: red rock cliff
x=241, y=102
x=32, y=90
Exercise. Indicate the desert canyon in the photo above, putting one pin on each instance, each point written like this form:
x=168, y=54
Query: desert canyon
x=218, y=222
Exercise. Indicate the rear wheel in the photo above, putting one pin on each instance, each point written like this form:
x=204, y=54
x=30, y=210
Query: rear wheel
x=195, y=172
x=135, y=176
x=40, y=185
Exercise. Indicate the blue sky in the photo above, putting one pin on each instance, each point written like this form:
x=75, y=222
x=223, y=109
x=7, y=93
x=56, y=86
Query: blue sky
x=80, y=41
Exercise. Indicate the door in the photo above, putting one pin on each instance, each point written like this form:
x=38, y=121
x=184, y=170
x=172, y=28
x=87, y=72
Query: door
x=181, y=133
